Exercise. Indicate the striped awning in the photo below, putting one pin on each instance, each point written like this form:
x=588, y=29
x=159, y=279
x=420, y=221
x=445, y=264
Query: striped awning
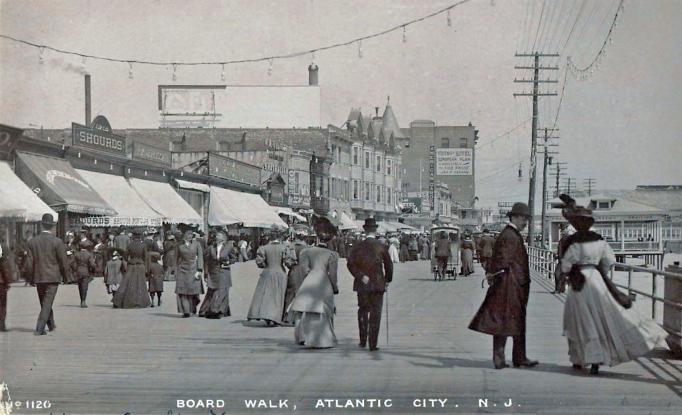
x=60, y=186
x=17, y=201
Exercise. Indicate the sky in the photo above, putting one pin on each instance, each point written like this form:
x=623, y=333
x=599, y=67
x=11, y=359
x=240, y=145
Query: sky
x=621, y=126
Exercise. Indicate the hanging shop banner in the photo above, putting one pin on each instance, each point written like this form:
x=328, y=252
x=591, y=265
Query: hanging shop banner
x=98, y=136
x=148, y=153
x=231, y=169
x=116, y=221
x=454, y=162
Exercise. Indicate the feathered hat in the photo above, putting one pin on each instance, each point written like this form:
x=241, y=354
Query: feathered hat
x=579, y=217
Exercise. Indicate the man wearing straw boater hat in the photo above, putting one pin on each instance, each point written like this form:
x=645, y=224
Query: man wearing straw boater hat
x=371, y=266
x=47, y=267
x=503, y=312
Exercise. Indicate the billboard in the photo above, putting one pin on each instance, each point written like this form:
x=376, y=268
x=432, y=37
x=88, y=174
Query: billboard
x=98, y=136
x=454, y=162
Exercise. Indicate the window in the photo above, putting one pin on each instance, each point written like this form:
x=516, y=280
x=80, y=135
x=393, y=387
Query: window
x=356, y=190
x=378, y=190
x=388, y=195
x=603, y=205
x=367, y=191
x=444, y=142
x=367, y=159
x=356, y=162
x=296, y=181
x=334, y=153
x=389, y=165
x=378, y=164
x=463, y=143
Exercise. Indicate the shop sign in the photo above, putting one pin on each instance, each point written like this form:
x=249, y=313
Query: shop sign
x=98, y=136
x=148, y=153
x=432, y=173
x=232, y=169
x=116, y=221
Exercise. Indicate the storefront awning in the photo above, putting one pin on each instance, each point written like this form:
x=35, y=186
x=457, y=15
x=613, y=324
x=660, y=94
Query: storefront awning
x=17, y=201
x=60, y=186
x=288, y=212
x=183, y=184
x=164, y=199
x=132, y=210
x=227, y=207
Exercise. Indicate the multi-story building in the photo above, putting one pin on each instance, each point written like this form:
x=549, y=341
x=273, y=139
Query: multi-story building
x=452, y=148
x=339, y=157
x=299, y=178
x=375, y=164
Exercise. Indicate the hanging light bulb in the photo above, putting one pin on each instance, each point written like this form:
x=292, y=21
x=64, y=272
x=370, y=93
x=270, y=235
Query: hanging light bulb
x=359, y=48
x=449, y=19
x=175, y=72
x=270, y=67
x=41, y=60
x=404, y=34
x=222, y=72
x=130, y=70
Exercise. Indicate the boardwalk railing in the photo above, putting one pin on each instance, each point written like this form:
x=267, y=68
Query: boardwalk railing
x=543, y=262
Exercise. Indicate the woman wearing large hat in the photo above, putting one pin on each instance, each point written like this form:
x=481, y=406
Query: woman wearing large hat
x=599, y=324
x=313, y=307
x=268, y=298
x=132, y=292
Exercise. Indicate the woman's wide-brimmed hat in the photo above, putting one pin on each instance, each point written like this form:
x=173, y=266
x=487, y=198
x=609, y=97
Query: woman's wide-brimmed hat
x=322, y=224
x=579, y=217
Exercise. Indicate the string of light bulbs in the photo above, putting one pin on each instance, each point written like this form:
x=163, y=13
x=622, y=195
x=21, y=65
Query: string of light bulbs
x=269, y=59
x=584, y=73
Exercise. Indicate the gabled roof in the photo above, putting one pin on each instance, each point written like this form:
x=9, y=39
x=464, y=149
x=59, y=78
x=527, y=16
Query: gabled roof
x=620, y=206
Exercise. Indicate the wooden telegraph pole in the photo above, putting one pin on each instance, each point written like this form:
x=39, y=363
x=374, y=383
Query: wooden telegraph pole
x=534, y=133
x=546, y=144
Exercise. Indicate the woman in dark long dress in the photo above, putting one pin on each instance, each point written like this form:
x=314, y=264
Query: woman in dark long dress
x=190, y=269
x=133, y=290
x=467, y=252
x=220, y=258
x=155, y=277
x=268, y=298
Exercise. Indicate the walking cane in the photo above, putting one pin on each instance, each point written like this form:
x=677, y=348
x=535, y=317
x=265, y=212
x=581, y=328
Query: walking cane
x=386, y=315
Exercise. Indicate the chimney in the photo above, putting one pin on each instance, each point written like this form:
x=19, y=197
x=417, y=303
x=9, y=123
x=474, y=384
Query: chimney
x=87, y=100
x=312, y=75
x=376, y=111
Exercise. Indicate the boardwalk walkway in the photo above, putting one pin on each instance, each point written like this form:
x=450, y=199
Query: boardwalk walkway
x=102, y=360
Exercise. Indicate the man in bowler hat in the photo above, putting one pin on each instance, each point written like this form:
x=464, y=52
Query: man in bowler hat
x=503, y=312
x=371, y=266
x=47, y=267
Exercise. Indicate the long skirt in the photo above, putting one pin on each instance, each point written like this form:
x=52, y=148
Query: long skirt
x=268, y=299
x=314, y=330
x=601, y=331
x=216, y=303
x=393, y=253
x=132, y=293
x=467, y=261
x=404, y=253
x=156, y=284
x=187, y=304
x=425, y=252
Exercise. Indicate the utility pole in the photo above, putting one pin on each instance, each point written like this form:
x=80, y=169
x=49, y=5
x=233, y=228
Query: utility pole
x=546, y=144
x=560, y=171
x=534, y=133
x=569, y=181
x=589, y=182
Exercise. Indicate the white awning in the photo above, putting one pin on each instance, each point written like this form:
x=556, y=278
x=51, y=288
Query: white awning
x=164, y=199
x=288, y=212
x=229, y=206
x=17, y=201
x=183, y=184
x=117, y=192
x=347, y=222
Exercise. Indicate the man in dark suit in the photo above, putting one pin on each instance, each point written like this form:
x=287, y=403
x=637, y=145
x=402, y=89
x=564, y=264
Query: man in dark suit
x=371, y=266
x=47, y=266
x=503, y=312
x=485, y=248
x=5, y=281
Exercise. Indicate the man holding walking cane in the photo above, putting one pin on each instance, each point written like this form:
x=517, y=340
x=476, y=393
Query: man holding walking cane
x=371, y=266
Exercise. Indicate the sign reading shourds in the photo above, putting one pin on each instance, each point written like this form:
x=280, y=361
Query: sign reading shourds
x=231, y=169
x=153, y=154
x=115, y=221
x=98, y=136
x=454, y=161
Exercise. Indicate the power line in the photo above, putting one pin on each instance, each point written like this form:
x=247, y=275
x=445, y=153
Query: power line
x=504, y=134
x=358, y=41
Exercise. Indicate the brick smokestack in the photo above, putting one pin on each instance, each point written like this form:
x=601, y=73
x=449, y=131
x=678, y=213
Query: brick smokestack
x=88, y=102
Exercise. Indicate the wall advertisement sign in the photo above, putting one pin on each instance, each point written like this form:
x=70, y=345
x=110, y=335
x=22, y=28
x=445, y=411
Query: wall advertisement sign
x=232, y=169
x=454, y=162
x=98, y=136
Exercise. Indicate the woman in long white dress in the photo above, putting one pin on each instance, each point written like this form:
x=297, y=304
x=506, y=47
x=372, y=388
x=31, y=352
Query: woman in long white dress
x=393, y=245
x=313, y=307
x=599, y=324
